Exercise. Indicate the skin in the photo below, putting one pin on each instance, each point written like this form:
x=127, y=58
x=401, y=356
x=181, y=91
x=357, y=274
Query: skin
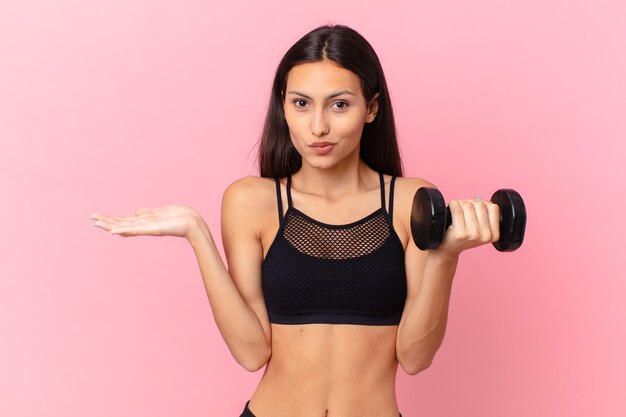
x=315, y=370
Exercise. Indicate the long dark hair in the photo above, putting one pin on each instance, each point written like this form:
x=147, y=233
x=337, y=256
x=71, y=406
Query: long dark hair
x=346, y=47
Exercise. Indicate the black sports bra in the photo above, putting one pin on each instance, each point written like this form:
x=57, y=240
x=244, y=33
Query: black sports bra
x=324, y=273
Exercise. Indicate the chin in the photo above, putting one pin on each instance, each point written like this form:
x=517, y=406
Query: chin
x=321, y=164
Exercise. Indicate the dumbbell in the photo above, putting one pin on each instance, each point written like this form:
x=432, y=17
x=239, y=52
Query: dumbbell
x=430, y=218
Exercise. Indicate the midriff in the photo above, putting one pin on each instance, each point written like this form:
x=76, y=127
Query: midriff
x=329, y=370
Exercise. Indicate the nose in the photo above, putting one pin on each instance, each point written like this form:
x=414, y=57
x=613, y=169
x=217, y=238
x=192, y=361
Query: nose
x=319, y=125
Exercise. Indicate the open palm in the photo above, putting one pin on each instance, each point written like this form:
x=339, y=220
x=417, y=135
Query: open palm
x=173, y=220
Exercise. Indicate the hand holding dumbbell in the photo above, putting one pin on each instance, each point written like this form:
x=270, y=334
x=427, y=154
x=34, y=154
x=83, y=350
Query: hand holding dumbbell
x=430, y=218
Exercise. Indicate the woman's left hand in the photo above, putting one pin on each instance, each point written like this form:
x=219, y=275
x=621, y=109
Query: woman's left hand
x=474, y=223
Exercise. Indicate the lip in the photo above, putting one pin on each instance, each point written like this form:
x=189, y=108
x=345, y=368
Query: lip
x=322, y=148
x=320, y=144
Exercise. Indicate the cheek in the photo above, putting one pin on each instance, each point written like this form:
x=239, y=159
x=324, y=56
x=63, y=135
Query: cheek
x=297, y=131
x=294, y=121
x=349, y=126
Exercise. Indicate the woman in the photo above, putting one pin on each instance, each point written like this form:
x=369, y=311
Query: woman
x=325, y=286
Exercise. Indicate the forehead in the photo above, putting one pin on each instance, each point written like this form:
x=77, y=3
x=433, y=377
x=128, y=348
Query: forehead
x=322, y=76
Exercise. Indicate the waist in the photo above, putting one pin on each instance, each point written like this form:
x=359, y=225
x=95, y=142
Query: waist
x=315, y=370
x=333, y=352
x=339, y=368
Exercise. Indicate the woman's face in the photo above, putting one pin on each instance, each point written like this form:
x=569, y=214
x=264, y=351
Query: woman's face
x=325, y=110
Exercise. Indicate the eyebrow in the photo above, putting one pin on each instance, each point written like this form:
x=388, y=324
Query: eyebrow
x=338, y=93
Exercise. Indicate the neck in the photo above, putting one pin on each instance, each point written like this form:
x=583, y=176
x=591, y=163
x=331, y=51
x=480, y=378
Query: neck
x=347, y=178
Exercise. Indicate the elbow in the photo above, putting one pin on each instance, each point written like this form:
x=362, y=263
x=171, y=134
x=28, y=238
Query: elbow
x=416, y=367
x=413, y=364
x=252, y=366
x=256, y=362
x=417, y=357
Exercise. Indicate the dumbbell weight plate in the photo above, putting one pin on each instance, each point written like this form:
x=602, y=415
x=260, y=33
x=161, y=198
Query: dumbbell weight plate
x=512, y=219
x=429, y=218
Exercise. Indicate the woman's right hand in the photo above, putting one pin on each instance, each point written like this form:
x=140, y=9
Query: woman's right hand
x=173, y=220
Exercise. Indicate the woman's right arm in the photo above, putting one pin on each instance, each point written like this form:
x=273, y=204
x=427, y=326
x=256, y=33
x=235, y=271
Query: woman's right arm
x=236, y=295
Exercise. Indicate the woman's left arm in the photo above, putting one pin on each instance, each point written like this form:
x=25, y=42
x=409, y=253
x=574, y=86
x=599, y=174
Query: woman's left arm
x=430, y=276
x=425, y=316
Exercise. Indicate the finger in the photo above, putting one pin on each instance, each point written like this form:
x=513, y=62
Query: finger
x=494, y=221
x=100, y=216
x=111, y=218
x=109, y=223
x=471, y=222
x=129, y=221
x=125, y=231
x=125, y=219
x=144, y=227
x=482, y=217
x=122, y=233
x=458, y=219
x=106, y=225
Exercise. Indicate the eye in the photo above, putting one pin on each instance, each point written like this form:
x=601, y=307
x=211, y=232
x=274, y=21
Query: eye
x=298, y=101
x=341, y=105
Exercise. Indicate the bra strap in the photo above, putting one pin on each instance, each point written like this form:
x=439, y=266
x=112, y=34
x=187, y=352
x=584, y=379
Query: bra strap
x=393, y=181
x=382, y=190
x=289, y=202
x=280, y=202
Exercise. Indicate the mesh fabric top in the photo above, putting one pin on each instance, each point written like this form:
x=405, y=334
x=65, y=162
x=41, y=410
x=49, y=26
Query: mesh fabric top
x=322, y=273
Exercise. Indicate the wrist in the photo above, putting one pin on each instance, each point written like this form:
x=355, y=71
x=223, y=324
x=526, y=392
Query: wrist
x=198, y=231
x=443, y=257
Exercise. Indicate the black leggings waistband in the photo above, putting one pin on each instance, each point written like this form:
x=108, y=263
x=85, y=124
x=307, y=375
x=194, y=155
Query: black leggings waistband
x=248, y=413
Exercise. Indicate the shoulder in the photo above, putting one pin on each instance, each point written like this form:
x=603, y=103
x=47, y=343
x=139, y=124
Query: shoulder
x=249, y=200
x=249, y=187
x=404, y=191
x=410, y=185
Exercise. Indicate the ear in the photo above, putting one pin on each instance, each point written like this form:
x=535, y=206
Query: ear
x=372, y=109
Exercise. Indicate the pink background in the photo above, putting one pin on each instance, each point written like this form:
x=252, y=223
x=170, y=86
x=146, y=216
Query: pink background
x=112, y=105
